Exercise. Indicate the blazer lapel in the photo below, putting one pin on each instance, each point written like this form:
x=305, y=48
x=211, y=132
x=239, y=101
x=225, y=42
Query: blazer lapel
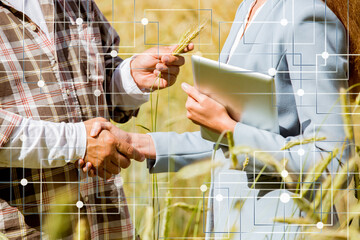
x=250, y=33
x=249, y=38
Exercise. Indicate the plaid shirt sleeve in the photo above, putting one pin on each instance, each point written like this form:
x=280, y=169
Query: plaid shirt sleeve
x=8, y=122
x=61, y=79
x=110, y=42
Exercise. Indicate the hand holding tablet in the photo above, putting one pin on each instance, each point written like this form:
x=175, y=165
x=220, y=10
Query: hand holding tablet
x=249, y=97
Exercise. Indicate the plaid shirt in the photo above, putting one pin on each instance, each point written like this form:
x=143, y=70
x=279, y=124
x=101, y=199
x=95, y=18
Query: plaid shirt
x=72, y=65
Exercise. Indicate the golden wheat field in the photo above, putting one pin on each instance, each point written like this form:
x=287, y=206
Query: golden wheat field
x=168, y=20
x=178, y=215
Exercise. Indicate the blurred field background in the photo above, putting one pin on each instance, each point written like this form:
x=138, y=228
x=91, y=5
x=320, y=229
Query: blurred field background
x=168, y=20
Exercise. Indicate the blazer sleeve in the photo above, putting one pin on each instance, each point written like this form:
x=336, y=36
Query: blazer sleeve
x=315, y=30
x=174, y=151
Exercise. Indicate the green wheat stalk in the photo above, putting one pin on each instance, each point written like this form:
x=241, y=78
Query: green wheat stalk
x=185, y=206
x=231, y=143
x=349, y=132
x=166, y=216
x=183, y=43
x=189, y=224
x=318, y=171
x=197, y=219
x=302, y=142
x=149, y=223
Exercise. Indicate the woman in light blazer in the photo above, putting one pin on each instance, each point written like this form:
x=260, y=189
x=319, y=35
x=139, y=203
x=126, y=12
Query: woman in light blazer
x=302, y=43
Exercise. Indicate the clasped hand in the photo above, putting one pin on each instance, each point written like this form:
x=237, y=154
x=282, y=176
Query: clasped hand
x=111, y=148
x=106, y=153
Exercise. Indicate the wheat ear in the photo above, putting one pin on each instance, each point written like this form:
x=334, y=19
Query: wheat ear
x=187, y=38
x=318, y=171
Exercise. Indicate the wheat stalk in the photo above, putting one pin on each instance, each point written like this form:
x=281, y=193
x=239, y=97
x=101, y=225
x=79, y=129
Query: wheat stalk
x=339, y=180
x=166, y=216
x=336, y=235
x=183, y=43
x=197, y=218
x=303, y=141
x=80, y=232
x=291, y=220
x=149, y=222
x=306, y=207
x=318, y=170
x=184, y=206
x=231, y=143
x=357, y=100
x=187, y=37
x=346, y=114
x=265, y=158
x=320, y=195
x=260, y=155
x=188, y=225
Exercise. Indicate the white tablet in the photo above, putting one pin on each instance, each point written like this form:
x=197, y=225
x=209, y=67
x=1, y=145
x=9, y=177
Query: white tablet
x=249, y=97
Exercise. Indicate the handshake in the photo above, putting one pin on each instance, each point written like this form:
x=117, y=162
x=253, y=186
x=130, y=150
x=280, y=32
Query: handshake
x=109, y=149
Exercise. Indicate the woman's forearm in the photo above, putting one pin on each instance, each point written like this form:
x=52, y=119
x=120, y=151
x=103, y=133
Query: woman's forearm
x=143, y=143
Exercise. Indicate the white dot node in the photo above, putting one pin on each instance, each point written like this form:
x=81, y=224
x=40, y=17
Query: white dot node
x=301, y=152
x=325, y=55
x=284, y=22
x=198, y=53
x=300, y=92
x=97, y=92
x=219, y=197
x=320, y=225
x=79, y=21
x=284, y=173
x=144, y=21
x=284, y=197
x=79, y=204
x=113, y=53
x=272, y=72
x=24, y=182
x=203, y=188
x=22, y=138
x=41, y=83
x=117, y=183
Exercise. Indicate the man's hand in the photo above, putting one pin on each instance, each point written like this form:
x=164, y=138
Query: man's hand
x=142, y=142
x=145, y=68
x=108, y=153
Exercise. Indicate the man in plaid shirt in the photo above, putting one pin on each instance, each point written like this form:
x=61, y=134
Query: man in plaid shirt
x=60, y=74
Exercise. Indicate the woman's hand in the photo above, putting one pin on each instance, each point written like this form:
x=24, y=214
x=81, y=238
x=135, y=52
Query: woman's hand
x=206, y=112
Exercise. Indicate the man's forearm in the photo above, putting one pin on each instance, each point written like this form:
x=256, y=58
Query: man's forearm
x=123, y=89
x=42, y=144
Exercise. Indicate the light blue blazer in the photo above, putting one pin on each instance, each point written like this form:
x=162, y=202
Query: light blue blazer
x=308, y=53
